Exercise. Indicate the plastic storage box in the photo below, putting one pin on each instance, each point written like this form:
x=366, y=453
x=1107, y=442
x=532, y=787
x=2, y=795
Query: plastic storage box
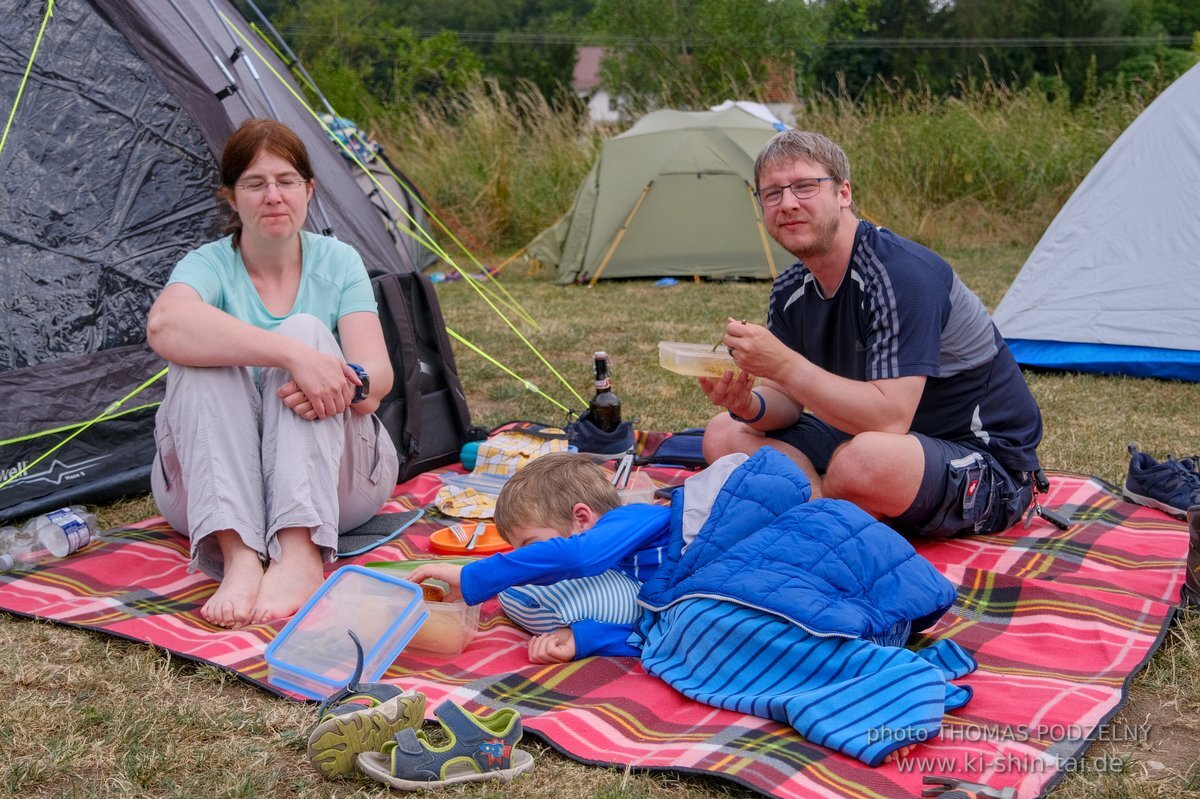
x=448, y=630
x=640, y=489
x=451, y=625
x=314, y=656
x=696, y=360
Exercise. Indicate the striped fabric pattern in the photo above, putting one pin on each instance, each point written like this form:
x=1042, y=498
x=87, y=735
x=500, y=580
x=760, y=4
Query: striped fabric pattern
x=1057, y=620
x=847, y=694
x=609, y=597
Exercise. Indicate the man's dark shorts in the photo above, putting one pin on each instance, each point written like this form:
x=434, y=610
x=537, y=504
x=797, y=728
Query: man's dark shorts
x=963, y=491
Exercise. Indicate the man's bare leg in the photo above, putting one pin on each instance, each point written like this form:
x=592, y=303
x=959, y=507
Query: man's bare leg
x=291, y=578
x=724, y=435
x=232, y=603
x=879, y=472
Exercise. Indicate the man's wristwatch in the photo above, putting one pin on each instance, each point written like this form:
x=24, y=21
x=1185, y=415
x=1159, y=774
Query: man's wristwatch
x=360, y=392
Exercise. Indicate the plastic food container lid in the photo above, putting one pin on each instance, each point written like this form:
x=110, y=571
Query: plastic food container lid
x=314, y=655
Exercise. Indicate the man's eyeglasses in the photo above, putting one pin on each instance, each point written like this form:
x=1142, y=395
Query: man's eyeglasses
x=258, y=185
x=801, y=189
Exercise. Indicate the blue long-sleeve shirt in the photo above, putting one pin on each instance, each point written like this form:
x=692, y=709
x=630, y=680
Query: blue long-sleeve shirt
x=629, y=539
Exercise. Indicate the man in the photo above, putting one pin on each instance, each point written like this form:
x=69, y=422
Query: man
x=881, y=375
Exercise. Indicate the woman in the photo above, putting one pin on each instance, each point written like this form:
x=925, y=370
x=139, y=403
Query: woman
x=267, y=442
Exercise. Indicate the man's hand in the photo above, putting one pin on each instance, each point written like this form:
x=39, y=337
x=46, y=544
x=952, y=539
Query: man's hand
x=756, y=350
x=448, y=573
x=732, y=393
x=555, y=647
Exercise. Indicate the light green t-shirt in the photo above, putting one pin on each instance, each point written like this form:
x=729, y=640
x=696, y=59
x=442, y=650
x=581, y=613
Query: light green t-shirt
x=333, y=282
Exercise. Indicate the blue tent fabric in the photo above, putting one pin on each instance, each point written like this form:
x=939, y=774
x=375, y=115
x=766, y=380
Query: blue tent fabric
x=1108, y=359
x=1111, y=286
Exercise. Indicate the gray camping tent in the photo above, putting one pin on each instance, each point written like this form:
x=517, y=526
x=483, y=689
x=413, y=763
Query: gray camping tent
x=673, y=195
x=1112, y=285
x=107, y=178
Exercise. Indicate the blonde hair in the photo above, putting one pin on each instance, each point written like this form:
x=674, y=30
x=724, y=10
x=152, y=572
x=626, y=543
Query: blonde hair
x=791, y=145
x=544, y=492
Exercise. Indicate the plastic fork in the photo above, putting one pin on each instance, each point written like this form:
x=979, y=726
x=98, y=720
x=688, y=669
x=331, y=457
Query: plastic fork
x=460, y=533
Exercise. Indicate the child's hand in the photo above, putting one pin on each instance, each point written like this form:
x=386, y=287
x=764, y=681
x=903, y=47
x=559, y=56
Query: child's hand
x=449, y=573
x=555, y=647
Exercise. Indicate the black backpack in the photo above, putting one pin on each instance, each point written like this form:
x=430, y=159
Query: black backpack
x=426, y=410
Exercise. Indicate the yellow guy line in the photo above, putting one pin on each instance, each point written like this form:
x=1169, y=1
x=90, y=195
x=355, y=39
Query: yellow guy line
x=28, y=68
x=528, y=385
x=762, y=234
x=472, y=282
x=105, y=414
x=64, y=428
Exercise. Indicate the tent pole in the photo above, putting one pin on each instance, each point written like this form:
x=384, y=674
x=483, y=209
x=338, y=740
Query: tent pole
x=762, y=233
x=620, y=234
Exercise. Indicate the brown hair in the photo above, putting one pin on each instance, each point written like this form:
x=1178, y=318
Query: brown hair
x=543, y=492
x=254, y=136
x=791, y=145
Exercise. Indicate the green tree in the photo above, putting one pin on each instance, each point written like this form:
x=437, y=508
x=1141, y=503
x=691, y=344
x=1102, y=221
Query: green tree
x=362, y=59
x=866, y=43
x=517, y=41
x=692, y=53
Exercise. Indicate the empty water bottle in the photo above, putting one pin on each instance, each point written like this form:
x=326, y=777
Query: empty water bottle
x=52, y=535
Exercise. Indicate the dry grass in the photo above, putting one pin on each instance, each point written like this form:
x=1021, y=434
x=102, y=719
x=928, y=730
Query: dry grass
x=90, y=715
x=84, y=715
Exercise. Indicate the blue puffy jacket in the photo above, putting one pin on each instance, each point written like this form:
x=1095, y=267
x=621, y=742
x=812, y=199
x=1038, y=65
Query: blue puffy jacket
x=826, y=565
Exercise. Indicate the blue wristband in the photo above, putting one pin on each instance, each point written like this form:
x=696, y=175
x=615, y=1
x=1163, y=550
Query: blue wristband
x=762, y=411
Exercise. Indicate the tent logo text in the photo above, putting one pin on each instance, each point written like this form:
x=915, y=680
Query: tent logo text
x=56, y=473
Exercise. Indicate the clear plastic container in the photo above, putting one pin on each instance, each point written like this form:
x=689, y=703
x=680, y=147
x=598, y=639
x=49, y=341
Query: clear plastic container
x=696, y=360
x=640, y=489
x=450, y=626
x=448, y=630
x=314, y=656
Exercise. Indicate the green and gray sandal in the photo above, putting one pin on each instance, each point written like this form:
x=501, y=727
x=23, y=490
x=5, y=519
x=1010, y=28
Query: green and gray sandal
x=478, y=748
x=360, y=718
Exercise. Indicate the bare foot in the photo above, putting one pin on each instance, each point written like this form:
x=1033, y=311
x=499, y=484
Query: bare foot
x=899, y=753
x=291, y=578
x=232, y=603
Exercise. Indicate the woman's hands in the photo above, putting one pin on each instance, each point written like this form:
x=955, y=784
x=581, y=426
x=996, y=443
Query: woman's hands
x=321, y=386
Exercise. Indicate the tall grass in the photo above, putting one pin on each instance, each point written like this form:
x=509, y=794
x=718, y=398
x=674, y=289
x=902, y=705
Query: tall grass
x=988, y=166
x=496, y=167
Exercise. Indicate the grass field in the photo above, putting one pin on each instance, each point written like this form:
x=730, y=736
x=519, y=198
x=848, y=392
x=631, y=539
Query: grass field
x=88, y=715
x=979, y=177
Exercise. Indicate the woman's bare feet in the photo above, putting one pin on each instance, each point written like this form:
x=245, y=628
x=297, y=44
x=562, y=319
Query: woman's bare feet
x=233, y=602
x=291, y=578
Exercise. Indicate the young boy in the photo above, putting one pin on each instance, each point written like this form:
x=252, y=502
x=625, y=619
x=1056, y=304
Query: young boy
x=753, y=599
x=578, y=563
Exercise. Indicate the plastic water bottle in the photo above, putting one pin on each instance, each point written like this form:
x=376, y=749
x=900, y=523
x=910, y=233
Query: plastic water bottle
x=52, y=535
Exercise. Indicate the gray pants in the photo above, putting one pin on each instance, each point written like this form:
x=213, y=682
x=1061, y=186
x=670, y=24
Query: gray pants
x=232, y=456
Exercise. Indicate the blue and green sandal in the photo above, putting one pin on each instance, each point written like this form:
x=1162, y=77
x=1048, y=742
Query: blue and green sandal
x=360, y=718
x=478, y=748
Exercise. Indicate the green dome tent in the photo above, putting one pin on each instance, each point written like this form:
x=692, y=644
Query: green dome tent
x=671, y=196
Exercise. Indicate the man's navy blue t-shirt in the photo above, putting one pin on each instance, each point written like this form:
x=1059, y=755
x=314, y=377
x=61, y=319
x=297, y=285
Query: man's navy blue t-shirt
x=900, y=311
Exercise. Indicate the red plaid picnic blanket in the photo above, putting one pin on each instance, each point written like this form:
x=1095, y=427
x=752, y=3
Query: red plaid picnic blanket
x=1059, y=621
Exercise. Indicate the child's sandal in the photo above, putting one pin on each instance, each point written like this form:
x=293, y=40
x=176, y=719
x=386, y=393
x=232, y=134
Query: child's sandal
x=479, y=748
x=362, y=717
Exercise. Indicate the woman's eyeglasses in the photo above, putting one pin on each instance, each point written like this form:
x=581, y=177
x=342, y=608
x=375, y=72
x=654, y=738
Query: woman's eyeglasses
x=258, y=185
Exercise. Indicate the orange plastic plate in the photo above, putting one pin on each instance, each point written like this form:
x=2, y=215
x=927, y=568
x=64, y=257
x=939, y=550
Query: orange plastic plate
x=444, y=542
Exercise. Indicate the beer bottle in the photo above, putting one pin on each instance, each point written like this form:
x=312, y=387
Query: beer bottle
x=605, y=407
